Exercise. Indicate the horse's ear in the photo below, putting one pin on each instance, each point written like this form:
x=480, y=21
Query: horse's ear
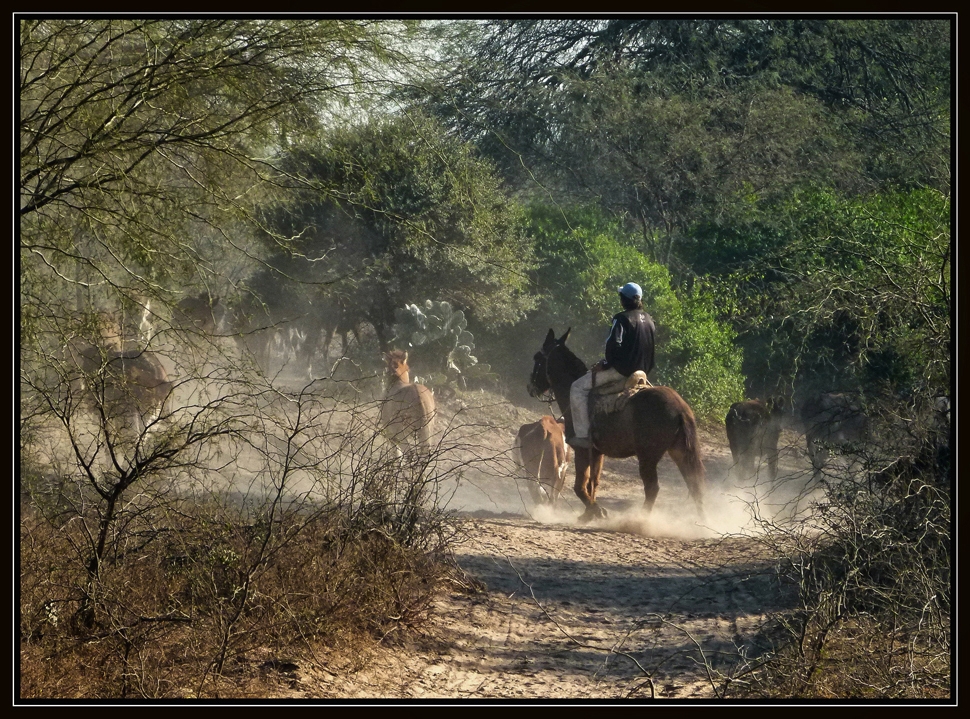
x=550, y=338
x=405, y=356
x=562, y=340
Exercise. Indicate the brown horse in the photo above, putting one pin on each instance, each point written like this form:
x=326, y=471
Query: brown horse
x=541, y=450
x=654, y=421
x=407, y=410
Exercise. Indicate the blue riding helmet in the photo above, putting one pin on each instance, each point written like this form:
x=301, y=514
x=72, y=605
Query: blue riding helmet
x=631, y=290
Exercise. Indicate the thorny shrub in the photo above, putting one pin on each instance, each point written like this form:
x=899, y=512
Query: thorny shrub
x=872, y=564
x=202, y=588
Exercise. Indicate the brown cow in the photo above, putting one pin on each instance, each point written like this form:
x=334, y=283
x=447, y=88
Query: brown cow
x=541, y=450
x=753, y=428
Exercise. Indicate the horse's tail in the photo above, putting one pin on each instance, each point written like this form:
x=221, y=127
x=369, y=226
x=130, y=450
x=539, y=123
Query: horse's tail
x=692, y=450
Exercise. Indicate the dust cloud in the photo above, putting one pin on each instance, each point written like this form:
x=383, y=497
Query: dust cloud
x=732, y=505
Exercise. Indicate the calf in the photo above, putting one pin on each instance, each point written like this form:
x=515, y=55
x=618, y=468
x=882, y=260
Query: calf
x=541, y=450
x=753, y=428
x=408, y=409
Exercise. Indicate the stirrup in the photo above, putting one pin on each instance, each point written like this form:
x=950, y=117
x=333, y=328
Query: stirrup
x=579, y=442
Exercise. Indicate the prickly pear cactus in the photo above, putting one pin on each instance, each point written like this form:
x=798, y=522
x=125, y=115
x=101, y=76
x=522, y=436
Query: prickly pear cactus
x=435, y=335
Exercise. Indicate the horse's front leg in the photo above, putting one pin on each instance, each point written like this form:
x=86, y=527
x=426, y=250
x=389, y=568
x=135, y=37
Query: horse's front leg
x=587, y=479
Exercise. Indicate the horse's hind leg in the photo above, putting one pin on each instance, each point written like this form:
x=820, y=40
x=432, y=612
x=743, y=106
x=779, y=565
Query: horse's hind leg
x=595, y=469
x=651, y=482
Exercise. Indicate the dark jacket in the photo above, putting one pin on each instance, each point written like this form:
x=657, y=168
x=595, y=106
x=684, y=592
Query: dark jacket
x=630, y=344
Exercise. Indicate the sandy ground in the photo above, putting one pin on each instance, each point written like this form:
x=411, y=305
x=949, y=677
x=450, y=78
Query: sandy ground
x=631, y=608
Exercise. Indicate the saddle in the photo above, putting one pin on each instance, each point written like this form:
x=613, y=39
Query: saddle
x=612, y=397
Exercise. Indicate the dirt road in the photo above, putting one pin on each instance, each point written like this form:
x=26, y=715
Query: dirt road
x=633, y=607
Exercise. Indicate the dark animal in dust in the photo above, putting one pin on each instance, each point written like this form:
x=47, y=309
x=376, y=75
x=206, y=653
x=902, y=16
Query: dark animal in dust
x=126, y=388
x=830, y=419
x=655, y=421
x=198, y=314
x=407, y=410
x=321, y=326
x=753, y=428
x=338, y=319
x=258, y=334
x=541, y=450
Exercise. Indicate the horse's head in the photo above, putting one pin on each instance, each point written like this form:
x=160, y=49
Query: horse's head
x=540, y=382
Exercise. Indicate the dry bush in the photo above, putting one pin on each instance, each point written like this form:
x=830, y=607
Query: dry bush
x=249, y=528
x=872, y=563
x=861, y=658
x=183, y=614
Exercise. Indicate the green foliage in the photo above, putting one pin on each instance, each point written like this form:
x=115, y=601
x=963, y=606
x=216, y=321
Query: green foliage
x=438, y=343
x=700, y=357
x=861, y=291
x=704, y=155
x=398, y=206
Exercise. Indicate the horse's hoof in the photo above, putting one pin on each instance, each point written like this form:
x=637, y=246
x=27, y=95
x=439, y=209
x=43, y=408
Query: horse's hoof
x=593, y=511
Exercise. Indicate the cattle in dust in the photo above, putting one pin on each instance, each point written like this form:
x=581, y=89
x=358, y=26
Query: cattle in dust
x=407, y=409
x=830, y=421
x=753, y=428
x=198, y=314
x=126, y=389
x=542, y=453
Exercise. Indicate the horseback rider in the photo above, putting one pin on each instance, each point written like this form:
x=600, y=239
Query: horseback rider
x=628, y=348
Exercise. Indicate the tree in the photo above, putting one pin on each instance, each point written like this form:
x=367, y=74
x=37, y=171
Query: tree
x=145, y=148
x=395, y=206
x=137, y=136
x=680, y=121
